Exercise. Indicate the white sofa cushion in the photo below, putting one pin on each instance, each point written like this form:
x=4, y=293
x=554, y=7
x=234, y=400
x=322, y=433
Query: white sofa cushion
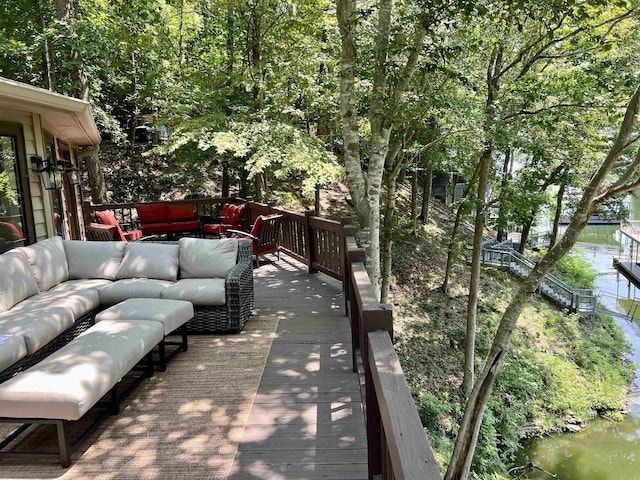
x=12, y=349
x=80, y=285
x=147, y=260
x=171, y=313
x=79, y=302
x=36, y=326
x=94, y=259
x=69, y=382
x=48, y=262
x=132, y=288
x=202, y=258
x=16, y=280
x=199, y=291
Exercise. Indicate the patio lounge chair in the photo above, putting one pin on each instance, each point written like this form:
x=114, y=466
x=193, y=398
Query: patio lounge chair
x=231, y=218
x=105, y=217
x=265, y=234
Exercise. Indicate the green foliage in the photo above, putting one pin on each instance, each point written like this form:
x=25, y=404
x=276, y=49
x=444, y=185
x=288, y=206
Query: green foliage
x=276, y=150
x=7, y=192
x=560, y=367
x=576, y=271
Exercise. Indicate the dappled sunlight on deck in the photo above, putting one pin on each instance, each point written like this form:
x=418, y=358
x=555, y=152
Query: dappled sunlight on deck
x=276, y=401
x=307, y=420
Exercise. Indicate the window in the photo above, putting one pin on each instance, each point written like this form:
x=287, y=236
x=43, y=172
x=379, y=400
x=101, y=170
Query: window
x=12, y=217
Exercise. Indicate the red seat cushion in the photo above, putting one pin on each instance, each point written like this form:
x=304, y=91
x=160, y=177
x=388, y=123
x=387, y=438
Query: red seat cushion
x=227, y=210
x=183, y=226
x=255, y=230
x=218, y=228
x=133, y=235
x=10, y=231
x=180, y=213
x=152, y=228
x=152, y=212
x=106, y=217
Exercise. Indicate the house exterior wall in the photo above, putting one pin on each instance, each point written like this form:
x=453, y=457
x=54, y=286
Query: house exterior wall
x=34, y=143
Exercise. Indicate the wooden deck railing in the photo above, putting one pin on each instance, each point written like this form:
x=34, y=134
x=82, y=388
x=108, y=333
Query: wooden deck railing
x=314, y=241
x=397, y=445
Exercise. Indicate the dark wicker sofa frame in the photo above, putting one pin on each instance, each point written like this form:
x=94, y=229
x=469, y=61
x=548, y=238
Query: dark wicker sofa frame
x=232, y=316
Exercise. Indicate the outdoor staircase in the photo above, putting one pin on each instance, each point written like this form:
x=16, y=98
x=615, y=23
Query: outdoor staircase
x=503, y=256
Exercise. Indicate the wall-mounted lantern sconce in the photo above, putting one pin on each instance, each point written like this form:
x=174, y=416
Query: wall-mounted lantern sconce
x=50, y=173
x=73, y=175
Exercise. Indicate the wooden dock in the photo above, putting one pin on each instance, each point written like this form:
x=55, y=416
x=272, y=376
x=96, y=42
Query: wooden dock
x=628, y=265
x=306, y=421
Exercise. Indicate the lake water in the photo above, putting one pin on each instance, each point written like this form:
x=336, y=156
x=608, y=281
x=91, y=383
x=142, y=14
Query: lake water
x=604, y=450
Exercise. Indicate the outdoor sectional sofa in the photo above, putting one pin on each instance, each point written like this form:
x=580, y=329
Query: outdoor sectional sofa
x=51, y=291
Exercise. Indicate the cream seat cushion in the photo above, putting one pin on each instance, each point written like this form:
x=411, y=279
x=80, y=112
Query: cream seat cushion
x=171, y=313
x=94, y=259
x=69, y=382
x=200, y=292
x=16, y=280
x=48, y=262
x=146, y=260
x=80, y=285
x=132, y=288
x=203, y=258
x=36, y=326
x=12, y=349
x=78, y=302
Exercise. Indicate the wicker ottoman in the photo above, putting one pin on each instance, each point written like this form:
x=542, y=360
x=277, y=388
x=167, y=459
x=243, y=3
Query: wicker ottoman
x=173, y=314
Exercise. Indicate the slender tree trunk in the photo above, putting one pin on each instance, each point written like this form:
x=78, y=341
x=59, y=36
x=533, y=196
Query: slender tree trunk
x=501, y=233
x=474, y=281
x=593, y=197
x=346, y=14
x=558, y=214
x=526, y=231
x=426, y=192
x=49, y=70
x=387, y=242
x=414, y=200
x=97, y=185
x=461, y=211
x=225, y=179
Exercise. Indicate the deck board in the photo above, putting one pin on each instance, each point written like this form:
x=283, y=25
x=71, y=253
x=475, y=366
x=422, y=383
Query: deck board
x=306, y=421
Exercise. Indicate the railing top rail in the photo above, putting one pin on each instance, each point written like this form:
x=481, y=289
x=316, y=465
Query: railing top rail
x=411, y=455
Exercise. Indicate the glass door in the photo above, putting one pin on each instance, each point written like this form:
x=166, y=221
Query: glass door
x=12, y=219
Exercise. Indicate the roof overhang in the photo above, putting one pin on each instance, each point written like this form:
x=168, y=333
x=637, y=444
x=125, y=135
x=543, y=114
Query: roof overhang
x=68, y=119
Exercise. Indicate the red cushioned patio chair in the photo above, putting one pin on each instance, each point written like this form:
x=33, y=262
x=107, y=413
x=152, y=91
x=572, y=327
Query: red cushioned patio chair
x=106, y=217
x=265, y=234
x=231, y=218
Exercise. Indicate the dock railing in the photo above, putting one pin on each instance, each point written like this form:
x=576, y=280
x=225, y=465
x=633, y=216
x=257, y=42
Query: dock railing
x=501, y=255
x=397, y=445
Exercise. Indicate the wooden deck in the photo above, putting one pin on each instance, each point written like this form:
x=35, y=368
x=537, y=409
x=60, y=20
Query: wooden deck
x=307, y=420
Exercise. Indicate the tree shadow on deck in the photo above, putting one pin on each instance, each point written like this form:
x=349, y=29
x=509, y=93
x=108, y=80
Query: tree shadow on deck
x=307, y=419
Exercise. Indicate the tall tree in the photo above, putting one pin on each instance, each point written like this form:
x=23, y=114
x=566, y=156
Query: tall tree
x=365, y=184
x=618, y=174
x=63, y=11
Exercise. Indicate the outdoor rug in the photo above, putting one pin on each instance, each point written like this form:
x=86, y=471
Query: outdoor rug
x=184, y=423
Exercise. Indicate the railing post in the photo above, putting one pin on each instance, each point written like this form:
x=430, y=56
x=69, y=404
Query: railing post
x=86, y=212
x=373, y=317
x=354, y=254
x=347, y=231
x=309, y=240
